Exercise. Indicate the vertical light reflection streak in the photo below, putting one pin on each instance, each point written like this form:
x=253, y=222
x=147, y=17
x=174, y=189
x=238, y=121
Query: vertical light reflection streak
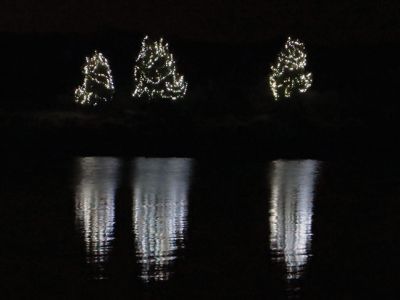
x=292, y=193
x=161, y=189
x=94, y=208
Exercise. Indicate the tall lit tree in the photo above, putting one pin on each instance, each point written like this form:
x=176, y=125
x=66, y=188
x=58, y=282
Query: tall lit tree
x=155, y=74
x=98, y=86
x=288, y=76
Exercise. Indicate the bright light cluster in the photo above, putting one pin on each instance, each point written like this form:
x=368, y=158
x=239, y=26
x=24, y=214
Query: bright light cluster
x=155, y=74
x=288, y=75
x=98, y=86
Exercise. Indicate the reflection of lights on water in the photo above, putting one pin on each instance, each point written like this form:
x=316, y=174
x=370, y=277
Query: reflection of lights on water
x=94, y=207
x=292, y=192
x=160, y=213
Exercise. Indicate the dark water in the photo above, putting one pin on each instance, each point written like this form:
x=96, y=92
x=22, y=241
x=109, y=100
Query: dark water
x=179, y=228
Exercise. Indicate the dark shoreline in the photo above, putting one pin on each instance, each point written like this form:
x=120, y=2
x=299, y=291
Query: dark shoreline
x=271, y=136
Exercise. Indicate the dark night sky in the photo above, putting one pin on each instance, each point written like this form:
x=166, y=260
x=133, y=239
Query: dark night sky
x=212, y=20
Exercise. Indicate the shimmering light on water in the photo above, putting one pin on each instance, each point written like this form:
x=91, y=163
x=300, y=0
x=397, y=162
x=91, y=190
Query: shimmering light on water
x=161, y=187
x=291, y=211
x=331, y=228
x=94, y=208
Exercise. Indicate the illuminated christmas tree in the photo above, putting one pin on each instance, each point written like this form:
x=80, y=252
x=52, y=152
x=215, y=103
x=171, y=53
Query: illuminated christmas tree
x=289, y=76
x=155, y=74
x=97, y=87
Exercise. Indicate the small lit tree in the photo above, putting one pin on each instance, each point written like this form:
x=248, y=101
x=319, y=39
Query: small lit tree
x=98, y=86
x=155, y=74
x=289, y=76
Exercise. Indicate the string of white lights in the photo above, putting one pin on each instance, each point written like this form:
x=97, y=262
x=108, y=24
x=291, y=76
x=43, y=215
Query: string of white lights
x=288, y=74
x=98, y=86
x=155, y=73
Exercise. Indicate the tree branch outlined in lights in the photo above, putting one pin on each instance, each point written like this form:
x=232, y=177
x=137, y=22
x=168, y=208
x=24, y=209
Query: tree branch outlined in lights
x=155, y=74
x=288, y=76
x=98, y=86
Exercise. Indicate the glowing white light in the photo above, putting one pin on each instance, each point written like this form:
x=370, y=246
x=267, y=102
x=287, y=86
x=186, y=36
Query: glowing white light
x=94, y=208
x=288, y=74
x=155, y=74
x=292, y=193
x=161, y=189
x=98, y=86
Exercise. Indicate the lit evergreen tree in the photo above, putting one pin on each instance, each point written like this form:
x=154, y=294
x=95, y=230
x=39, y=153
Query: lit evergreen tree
x=97, y=87
x=155, y=74
x=289, y=76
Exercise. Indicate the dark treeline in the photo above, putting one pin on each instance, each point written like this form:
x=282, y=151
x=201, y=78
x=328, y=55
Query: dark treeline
x=351, y=108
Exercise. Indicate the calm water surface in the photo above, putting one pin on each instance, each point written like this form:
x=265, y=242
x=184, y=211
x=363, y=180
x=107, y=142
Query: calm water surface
x=291, y=213
x=172, y=228
x=161, y=194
